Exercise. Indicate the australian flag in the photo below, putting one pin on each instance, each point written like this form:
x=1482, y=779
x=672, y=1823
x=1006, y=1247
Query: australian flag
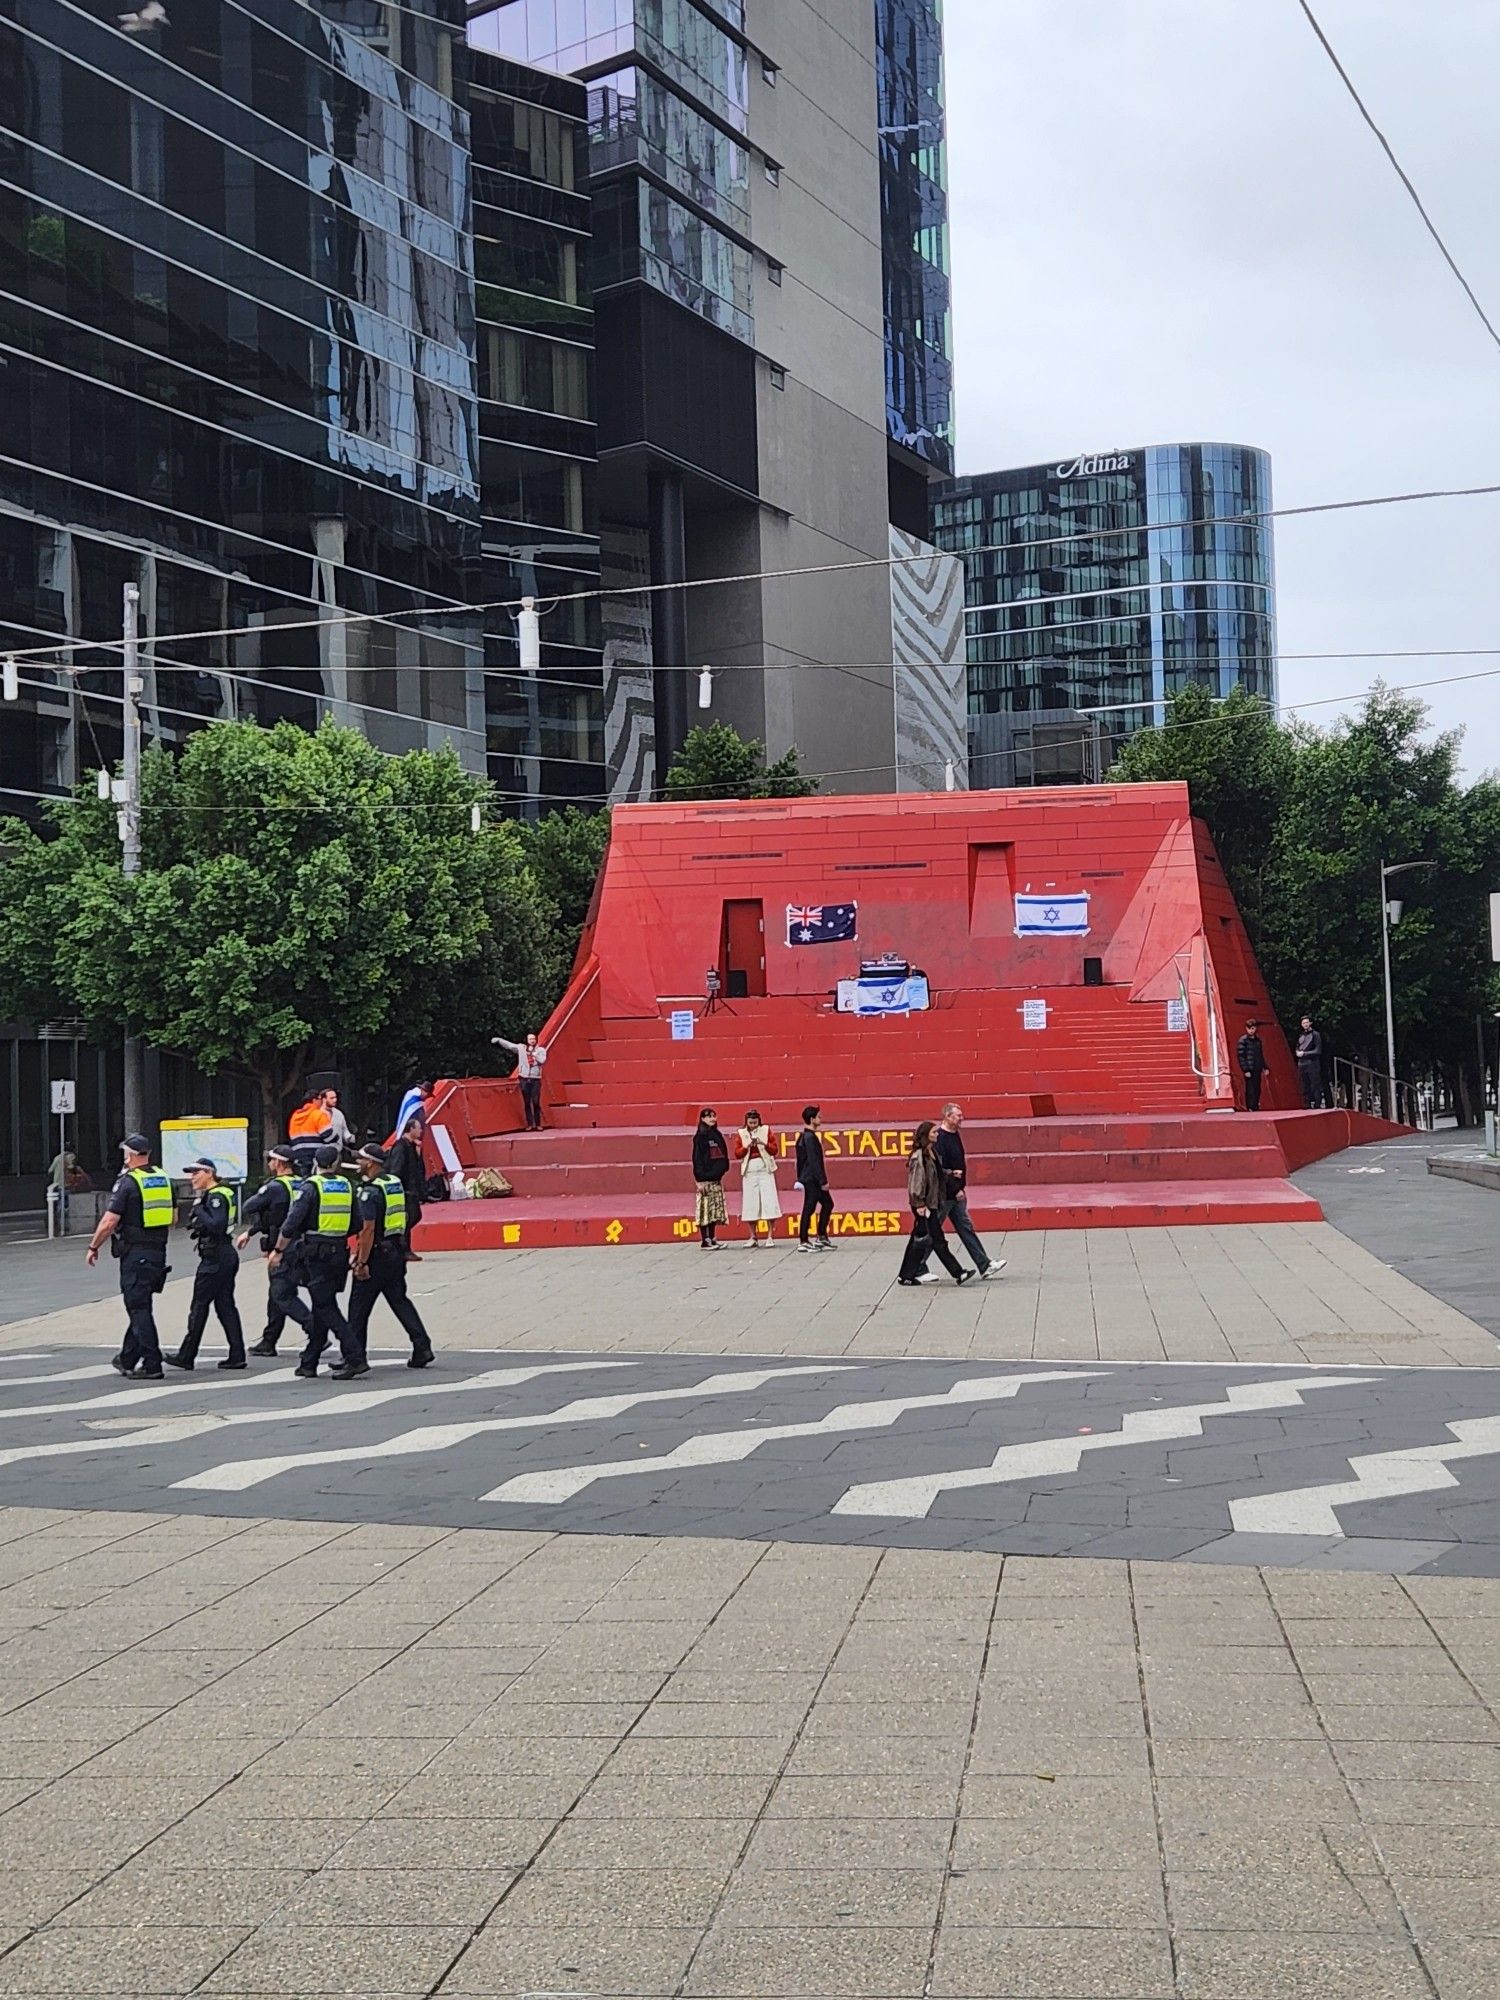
x=821, y=923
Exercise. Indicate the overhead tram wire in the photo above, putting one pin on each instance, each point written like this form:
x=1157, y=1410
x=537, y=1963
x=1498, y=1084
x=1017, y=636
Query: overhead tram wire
x=1402, y=175
x=863, y=563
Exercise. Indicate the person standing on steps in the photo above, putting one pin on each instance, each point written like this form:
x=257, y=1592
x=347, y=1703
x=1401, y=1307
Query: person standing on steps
x=137, y=1224
x=1250, y=1054
x=1310, y=1065
x=318, y=1227
x=948, y=1146
x=380, y=1255
x=710, y=1165
x=212, y=1225
x=531, y=1060
x=268, y=1207
x=760, y=1205
x=924, y=1188
x=812, y=1171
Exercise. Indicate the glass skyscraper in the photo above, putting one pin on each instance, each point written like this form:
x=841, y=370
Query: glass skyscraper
x=237, y=321
x=1109, y=580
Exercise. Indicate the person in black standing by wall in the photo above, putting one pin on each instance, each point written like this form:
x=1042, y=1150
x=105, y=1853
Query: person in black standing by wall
x=710, y=1165
x=924, y=1187
x=812, y=1171
x=268, y=1208
x=319, y=1223
x=137, y=1223
x=212, y=1225
x=404, y=1160
x=1250, y=1054
x=1310, y=1065
x=380, y=1257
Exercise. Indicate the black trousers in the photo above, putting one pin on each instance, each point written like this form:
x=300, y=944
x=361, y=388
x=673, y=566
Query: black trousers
x=213, y=1286
x=956, y=1211
x=323, y=1273
x=1252, y=1091
x=815, y=1201
x=1310, y=1076
x=927, y=1240
x=283, y=1304
x=531, y=1102
x=142, y=1275
x=387, y=1280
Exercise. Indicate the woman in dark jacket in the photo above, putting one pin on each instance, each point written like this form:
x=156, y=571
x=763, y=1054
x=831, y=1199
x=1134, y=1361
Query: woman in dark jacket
x=924, y=1187
x=710, y=1165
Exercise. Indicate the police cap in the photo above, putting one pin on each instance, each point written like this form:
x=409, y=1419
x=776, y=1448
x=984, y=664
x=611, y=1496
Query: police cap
x=282, y=1153
x=327, y=1156
x=136, y=1142
x=375, y=1153
x=203, y=1167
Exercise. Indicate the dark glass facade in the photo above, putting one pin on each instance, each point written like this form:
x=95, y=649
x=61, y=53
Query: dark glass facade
x=237, y=323
x=1109, y=579
x=914, y=230
x=538, y=441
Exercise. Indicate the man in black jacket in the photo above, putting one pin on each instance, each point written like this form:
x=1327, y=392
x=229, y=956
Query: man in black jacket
x=212, y=1225
x=948, y=1146
x=1251, y=1057
x=1310, y=1065
x=812, y=1171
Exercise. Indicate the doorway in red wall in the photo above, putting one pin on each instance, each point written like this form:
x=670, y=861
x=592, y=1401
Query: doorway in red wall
x=992, y=889
x=742, y=951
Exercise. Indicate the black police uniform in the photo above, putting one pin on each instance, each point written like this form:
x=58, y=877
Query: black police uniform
x=267, y=1209
x=143, y=1273
x=212, y=1224
x=387, y=1279
x=323, y=1265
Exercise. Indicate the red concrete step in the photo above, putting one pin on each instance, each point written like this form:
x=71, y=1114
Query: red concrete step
x=548, y=1222
x=894, y=1111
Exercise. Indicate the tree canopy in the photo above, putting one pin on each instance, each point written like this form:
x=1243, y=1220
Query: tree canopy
x=719, y=763
x=1303, y=818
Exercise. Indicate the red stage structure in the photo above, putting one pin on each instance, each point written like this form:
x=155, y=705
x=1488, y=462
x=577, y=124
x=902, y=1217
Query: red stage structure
x=1088, y=975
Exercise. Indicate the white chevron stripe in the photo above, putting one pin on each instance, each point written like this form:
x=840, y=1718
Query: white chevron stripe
x=1046, y=1457
x=240, y=1474
x=549, y=1489
x=337, y=1404
x=1423, y=1468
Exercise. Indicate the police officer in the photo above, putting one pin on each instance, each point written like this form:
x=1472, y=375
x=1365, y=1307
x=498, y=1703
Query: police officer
x=380, y=1257
x=319, y=1223
x=136, y=1223
x=212, y=1225
x=269, y=1207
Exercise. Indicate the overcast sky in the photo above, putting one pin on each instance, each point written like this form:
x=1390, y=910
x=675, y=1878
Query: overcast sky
x=1170, y=224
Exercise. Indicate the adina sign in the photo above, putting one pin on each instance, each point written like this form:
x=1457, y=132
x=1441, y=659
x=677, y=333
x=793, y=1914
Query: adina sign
x=1092, y=462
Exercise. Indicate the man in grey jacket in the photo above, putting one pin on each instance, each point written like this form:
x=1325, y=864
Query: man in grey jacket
x=531, y=1059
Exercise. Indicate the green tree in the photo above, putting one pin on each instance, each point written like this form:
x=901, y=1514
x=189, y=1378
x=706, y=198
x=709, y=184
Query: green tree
x=566, y=850
x=719, y=763
x=298, y=894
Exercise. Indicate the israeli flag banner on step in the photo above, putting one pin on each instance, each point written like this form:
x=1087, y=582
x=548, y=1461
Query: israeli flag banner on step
x=1053, y=916
x=821, y=923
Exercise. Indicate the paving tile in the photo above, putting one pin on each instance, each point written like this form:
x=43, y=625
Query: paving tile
x=993, y=1963
x=1464, y=1968
x=421, y=1896
x=1072, y=1898
x=678, y=1797
x=864, y=1798
x=97, y=1959
x=143, y=1894
x=1441, y=1850
x=556, y=1897
x=509, y=1958
x=1076, y=1843
x=438, y=1843
x=812, y=1964
x=854, y=1843
x=1310, y=1965
x=1291, y=1900
x=336, y=1958
x=833, y=1898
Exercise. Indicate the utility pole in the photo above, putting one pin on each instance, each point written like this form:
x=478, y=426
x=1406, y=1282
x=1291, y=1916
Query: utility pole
x=130, y=831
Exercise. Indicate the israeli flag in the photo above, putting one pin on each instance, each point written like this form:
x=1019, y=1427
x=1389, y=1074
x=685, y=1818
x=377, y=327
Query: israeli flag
x=1052, y=916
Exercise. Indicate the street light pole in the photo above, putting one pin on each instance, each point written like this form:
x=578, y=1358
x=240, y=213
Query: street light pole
x=1387, y=870
x=130, y=832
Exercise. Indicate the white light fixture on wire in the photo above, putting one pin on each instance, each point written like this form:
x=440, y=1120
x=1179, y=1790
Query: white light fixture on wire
x=706, y=687
x=12, y=680
x=529, y=635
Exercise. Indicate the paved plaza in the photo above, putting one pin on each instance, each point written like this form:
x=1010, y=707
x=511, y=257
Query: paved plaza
x=738, y=1625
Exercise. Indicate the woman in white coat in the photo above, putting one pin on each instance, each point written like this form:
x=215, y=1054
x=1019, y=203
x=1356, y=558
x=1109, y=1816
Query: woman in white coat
x=760, y=1205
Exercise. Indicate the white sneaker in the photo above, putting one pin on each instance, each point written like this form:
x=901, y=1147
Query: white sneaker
x=928, y=1278
x=993, y=1270
x=804, y=1248
x=827, y=1243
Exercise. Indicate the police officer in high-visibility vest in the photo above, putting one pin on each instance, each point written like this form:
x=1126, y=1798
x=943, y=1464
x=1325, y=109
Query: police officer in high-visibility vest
x=212, y=1223
x=319, y=1223
x=380, y=1256
x=267, y=1209
x=136, y=1223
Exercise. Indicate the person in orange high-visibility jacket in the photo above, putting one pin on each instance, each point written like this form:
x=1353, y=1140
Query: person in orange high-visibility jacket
x=309, y=1120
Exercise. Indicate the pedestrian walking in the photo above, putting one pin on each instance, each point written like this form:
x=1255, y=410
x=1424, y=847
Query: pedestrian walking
x=380, y=1255
x=267, y=1209
x=760, y=1204
x=319, y=1223
x=404, y=1160
x=812, y=1171
x=211, y=1224
x=1310, y=1065
x=710, y=1165
x=924, y=1188
x=948, y=1147
x=531, y=1060
x=137, y=1223
x=1250, y=1054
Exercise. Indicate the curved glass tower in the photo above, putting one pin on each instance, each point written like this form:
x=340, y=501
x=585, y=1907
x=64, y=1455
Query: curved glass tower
x=1108, y=580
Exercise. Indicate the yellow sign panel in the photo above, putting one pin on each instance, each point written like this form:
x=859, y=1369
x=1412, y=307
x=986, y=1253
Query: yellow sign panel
x=853, y=1142
x=510, y=1232
x=613, y=1232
